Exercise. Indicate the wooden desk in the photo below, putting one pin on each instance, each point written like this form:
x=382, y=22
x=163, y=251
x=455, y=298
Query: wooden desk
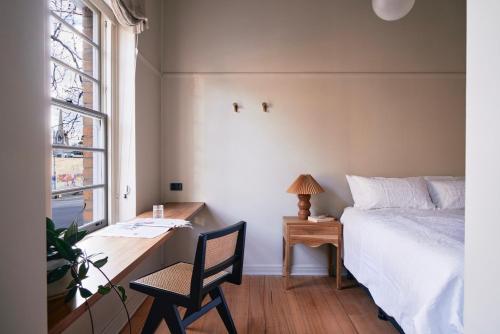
x=124, y=255
x=297, y=231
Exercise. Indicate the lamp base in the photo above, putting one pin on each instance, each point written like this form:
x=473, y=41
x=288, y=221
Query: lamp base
x=304, y=206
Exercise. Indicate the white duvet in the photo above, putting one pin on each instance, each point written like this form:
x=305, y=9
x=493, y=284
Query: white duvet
x=412, y=261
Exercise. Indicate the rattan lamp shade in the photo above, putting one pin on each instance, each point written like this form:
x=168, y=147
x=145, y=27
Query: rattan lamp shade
x=305, y=184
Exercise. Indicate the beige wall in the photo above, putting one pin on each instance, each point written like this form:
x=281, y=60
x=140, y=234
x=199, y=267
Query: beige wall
x=350, y=93
x=312, y=36
x=24, y=166
x=147, y=136
x=147, y=114
x=482, y=295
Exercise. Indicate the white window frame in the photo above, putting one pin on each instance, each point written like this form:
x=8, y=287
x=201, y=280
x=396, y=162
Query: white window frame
x=107, y=96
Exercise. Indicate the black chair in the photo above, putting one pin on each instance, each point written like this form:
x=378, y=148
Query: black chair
x=184, y=284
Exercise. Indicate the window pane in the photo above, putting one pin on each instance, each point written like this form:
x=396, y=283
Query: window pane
x=74, y=129
x=78, y=15
x=73, y=50
x=68, y=207
x=72, y=87
x=74, y=39
x=75, y=168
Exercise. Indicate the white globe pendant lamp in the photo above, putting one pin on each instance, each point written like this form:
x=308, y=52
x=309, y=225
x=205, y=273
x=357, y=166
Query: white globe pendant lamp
x=392, y=10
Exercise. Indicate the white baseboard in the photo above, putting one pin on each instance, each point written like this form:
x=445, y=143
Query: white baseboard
x=120, y=320
x=276, y=270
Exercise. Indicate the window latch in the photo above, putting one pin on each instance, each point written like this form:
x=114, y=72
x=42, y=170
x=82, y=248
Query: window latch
x=127, y=192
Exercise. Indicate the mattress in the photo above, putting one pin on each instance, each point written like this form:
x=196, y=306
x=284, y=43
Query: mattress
x=412, y=262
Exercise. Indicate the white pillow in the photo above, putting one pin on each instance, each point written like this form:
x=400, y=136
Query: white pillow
x=379, y=192
x=447, y=194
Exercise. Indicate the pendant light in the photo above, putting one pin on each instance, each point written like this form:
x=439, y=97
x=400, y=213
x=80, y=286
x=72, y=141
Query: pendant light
x=392, y=10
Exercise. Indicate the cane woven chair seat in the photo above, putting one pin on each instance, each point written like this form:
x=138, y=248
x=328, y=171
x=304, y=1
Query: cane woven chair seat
x=176, y=278
x=218, y=259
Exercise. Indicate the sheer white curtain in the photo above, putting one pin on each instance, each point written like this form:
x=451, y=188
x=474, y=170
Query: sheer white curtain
x=126, y=123
x=131, y=16
x=131, y=13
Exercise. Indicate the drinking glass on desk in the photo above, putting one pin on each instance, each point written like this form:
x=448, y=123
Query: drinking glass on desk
x=158, y=211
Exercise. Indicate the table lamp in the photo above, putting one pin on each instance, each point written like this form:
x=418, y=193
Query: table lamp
x=305, y=186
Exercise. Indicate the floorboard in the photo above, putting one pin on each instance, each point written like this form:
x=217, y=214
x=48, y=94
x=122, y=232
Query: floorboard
x=262, y=305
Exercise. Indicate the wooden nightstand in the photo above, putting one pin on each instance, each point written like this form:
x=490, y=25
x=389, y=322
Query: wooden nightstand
x=296, y=231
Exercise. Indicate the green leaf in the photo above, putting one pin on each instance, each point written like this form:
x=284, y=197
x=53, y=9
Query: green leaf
x=85, y=293
x=53, y=255
x=71, y=293
x=80, y=235
x=77, y=252
x=103, y=290
x=70, y=234
x=100, y=263
x=82, y=270
x=65, y=249
x=50, y=224
x=57, y=274
x=60, y=230
x=123, y=294
x=51, y=237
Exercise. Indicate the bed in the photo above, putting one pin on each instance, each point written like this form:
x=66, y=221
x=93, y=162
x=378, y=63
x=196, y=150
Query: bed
x=412, y=262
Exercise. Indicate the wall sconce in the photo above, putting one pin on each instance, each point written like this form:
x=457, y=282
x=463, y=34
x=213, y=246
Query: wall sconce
x=236, y=107
x=265, y=106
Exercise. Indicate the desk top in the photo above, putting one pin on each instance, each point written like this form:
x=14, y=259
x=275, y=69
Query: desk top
x=124, y=255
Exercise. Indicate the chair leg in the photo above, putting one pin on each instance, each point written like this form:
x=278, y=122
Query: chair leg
x=155, y=316
x=189, y=311
x=224, y=310
x=173, y=319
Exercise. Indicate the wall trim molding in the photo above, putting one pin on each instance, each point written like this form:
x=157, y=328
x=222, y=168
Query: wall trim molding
x=276, y=270
x=149, y=65
x=361, y=73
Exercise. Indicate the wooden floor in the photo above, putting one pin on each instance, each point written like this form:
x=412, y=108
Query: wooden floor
x=262, y=305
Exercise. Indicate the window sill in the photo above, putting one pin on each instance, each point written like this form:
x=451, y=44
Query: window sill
x=123, y=257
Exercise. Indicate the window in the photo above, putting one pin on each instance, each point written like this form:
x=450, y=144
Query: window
x=79, y=182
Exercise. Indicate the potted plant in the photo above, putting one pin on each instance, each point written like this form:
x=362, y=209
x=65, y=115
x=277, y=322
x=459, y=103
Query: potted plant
x=68, y=266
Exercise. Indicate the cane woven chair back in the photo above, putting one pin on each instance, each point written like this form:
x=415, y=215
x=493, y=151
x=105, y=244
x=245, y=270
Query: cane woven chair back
x=219, y=253
x=220, y=249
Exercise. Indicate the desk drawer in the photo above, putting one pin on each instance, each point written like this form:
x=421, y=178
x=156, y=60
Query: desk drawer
x=323, y=229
